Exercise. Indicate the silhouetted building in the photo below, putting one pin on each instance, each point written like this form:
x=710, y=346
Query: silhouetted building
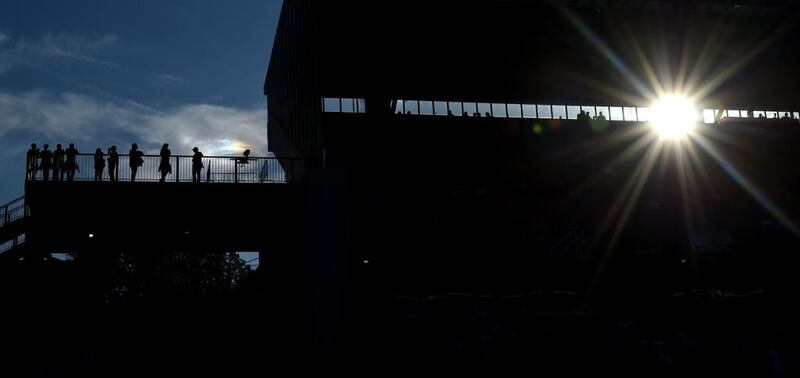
x=505, y=193
x=529, y=195
x=515, y=52
x=500, y=150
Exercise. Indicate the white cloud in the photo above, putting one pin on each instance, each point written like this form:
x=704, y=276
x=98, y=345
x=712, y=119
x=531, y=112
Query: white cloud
x=91, y=122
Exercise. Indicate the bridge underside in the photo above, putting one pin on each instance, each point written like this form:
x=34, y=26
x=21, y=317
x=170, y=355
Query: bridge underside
x=74, y=216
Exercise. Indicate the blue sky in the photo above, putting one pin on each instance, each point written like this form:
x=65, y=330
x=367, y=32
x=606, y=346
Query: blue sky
x=96, y=73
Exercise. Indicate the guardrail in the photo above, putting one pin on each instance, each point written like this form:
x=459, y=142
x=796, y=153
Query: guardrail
x=215, y=169
x=13, y=211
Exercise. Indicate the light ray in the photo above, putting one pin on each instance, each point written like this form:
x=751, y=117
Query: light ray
x=604, y=49
x=624, y=204
x=688, y=191
x=644, y=63
x=729, y=70
x=704, y=61
x=628, y=153
x=591, y=148
x=694, y=158
x=748, y=186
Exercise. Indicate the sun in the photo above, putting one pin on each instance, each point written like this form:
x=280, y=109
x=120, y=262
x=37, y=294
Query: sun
x=674, y=117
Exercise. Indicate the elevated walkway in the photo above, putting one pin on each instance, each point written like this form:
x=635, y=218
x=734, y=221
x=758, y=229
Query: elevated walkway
x=239, y=203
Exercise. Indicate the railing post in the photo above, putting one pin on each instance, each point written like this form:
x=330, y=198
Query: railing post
x=177, y=169
x=235, y=172
x=6, y=217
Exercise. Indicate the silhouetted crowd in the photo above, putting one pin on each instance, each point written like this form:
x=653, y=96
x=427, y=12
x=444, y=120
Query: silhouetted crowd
x=585, y=116
x=58, y=163
x=582, y=116
x=721, y=117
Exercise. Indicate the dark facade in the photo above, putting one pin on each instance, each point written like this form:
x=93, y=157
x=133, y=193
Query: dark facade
x=563, y=52
x=454, y=197
x=294, y=107
x=554, y=234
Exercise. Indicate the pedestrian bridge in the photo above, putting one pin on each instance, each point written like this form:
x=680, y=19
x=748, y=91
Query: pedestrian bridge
x=240, y=203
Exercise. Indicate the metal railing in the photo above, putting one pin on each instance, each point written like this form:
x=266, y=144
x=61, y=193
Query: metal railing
x=13, y=211
x=16, y=241
x=10, y=213
x=216, y=169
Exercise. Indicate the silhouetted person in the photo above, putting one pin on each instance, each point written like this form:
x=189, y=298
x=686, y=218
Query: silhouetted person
x=32, y=161
x=762, y=115
x=197, y=164
x=478, y=115
x=135, y=160
x=113, y=164
x=786, y=116
x=72, y=161
x=488, y=115
x=450, y=113
x=408, y=112
x=46, y=163
x=246, y=158
x=165, y=167
x=99, y=164
x=600, y=117
x=466, y=114
x=59, y=163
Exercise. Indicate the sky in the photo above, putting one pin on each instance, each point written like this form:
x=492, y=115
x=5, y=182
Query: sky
x=98, y=72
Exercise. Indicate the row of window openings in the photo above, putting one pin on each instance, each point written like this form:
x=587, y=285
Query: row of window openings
x=613, y=113
x=711, y=115
x=500, y=110
x=519, y=110
x=343, y=105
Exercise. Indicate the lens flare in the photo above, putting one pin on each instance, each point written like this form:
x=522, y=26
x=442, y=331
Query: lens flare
x=673, y=117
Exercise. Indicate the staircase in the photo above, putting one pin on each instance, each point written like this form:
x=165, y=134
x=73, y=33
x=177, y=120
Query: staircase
x=13, y=216
x=572, y=243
